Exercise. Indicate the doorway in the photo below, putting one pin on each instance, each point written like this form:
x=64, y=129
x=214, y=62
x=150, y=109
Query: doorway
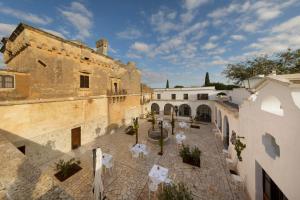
x=76, y=137
x=271, y=190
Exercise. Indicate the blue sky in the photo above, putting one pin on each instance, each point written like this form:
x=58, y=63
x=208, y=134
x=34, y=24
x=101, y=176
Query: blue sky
x=178, y=40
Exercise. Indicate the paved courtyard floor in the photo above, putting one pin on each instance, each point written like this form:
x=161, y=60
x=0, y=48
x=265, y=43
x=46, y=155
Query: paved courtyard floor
x=130, y=176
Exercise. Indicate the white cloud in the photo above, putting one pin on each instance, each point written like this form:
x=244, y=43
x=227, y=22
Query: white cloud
x=192, y=4
x=209, y=46
x=133, y=55
x=279, y=38
x=214, y=38
x=130, y=33
x=76, y=6
x=25, y=16
x=164, y=21
x=292, y=24
x=217, y=51
x=79, y=16
x=140, y=46
x=249, y=16
x=6, y=29
x=238, y=37
x=150, y=76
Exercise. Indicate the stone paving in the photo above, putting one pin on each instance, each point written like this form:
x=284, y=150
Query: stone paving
x=130, y=176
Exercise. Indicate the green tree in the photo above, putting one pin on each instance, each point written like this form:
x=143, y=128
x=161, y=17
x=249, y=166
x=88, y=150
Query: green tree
x=286, y=62
x=167, y=85
x=207, y=81
x=178, y=86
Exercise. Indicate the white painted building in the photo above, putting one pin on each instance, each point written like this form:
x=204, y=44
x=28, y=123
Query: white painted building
x=268, y=118
x=188, y=101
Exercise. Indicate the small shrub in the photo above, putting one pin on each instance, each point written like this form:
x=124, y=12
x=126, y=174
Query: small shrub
x=175, y=192
x=66, y=167
x=190, y=156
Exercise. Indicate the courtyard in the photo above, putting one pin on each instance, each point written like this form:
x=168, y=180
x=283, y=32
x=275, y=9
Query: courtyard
x=130, y=175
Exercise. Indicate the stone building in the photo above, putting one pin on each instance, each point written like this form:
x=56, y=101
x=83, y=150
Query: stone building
x=57, y=94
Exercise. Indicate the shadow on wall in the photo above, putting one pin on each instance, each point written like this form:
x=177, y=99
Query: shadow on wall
x=20, y=178
x=110, y=129
x=271, y=147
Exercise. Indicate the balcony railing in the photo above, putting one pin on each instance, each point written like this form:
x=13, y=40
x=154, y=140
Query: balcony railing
x=116, y=93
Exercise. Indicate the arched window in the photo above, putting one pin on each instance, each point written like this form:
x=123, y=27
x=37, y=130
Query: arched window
x=155, y=108
x=272, y=104
x=167, y=109
x=185, y=110
x=203, y=113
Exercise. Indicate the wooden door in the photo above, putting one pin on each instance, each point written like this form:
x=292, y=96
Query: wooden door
x=76, y=137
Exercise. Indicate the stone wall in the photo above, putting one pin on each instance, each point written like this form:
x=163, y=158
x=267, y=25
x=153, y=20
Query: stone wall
x=121, y=112
x=22, y=180
x=55, y=66
x=45, y=127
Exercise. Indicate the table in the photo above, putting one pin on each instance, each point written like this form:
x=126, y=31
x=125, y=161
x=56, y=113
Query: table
x=106, y=159
x=158, y=174
x=183, y=125
x=166, y=124
x=180, y=137
x=139, y=148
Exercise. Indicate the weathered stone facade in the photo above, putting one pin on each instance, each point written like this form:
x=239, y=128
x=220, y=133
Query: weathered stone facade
x=61, y=85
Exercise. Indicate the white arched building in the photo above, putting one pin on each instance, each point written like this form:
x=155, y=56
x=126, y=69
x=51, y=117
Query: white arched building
x=190, y=102
x=266, y=116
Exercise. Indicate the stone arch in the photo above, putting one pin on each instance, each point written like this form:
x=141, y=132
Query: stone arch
x=203, y=113
x=185, y=110
x=155, y=108
x=226, y=132
x=168, y=109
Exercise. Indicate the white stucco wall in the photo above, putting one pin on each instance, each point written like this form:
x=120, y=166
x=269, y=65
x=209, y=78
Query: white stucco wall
x=254, y=123
x=192, y=93
x=238, y=95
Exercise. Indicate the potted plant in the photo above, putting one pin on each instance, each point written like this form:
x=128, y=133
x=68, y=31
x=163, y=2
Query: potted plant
x=175, y=192
x=136, y=129
x=153, y=120
x=239, y=147
x=66, y=168
x=189, y=156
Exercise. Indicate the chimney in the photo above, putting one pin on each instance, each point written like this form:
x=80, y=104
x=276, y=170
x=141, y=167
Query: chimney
x=102, y=46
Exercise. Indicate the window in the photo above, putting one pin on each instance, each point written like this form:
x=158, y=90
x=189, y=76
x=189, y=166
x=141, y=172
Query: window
x=202, y=96
x=158, y=96
x=22, y=149
x=84, y=81
x=6, y=81
x=173, y=96
x=272, y=104
x=116, y=88
x=42, y=63
x=185, y=96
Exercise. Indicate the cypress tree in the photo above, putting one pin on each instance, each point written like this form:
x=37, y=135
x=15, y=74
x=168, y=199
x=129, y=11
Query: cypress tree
x=207, y=81
x=167, y=85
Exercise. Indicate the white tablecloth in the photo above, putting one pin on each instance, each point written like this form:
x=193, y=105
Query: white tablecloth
x=180, y=137
x=158, y=174
x=106, y=159
x=139, y=148
x=183, y=125
x=166, y=125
